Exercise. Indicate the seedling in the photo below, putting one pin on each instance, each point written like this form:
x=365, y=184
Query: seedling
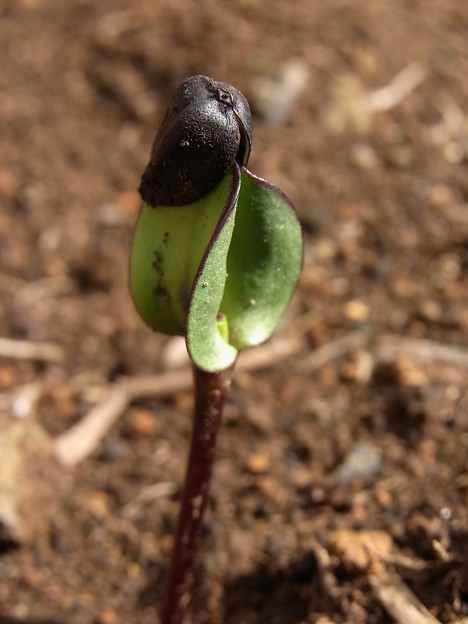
x=217, y=252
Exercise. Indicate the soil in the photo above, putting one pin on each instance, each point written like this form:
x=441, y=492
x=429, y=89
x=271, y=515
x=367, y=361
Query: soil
x=345, y=443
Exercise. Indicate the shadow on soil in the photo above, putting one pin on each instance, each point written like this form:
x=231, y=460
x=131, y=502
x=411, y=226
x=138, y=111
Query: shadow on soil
x=281, y=596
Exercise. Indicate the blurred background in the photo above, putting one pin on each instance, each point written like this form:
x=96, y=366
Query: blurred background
x=360, y=116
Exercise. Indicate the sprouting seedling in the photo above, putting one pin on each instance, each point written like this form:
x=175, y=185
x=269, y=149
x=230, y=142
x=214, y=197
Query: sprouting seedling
x=216, y=255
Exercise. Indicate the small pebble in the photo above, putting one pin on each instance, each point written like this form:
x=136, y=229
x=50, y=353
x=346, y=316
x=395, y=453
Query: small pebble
x=98, y=503
x=129, y=202
x=9, y=184
x=431, y=310
x=409, y=374
x=113, y=450
x=275, y=97
x=107, y=616
x=441, y=195
x=347, y=109
x=324, y=250
x=301, y=478
x=357, y=549
x=356, y=311
x=454, y=152
x=428, y=452
x=257, y=463
x=142, y=424
x=364, y=459
x=364, y=156
x=383, y=497
x=359, y=368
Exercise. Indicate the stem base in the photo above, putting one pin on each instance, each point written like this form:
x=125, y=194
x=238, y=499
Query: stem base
x=210, y=395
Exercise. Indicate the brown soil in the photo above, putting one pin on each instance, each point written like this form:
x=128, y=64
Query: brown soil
x=312, y=456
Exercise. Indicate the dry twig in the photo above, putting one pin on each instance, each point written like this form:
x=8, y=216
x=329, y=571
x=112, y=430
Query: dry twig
x=399, y=601
x=148, y=495
x=395, y=92
x=334, y=350
x=26, y=350
x=79, y=441
x=369, y=552
x=422, y=350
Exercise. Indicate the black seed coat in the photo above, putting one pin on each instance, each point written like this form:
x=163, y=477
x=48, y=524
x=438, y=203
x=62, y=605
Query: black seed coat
x=207, y=126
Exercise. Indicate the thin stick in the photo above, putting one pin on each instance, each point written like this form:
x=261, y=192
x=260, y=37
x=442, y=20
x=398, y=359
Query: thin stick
x=210, y=394
x=26, y=350
x=334, y=350
x=399, y=601
x=402, y=85
x=78, y=442
x=425, y=350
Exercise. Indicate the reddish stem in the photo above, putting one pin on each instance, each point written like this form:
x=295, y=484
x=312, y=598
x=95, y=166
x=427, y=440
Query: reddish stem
x=210, y=394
